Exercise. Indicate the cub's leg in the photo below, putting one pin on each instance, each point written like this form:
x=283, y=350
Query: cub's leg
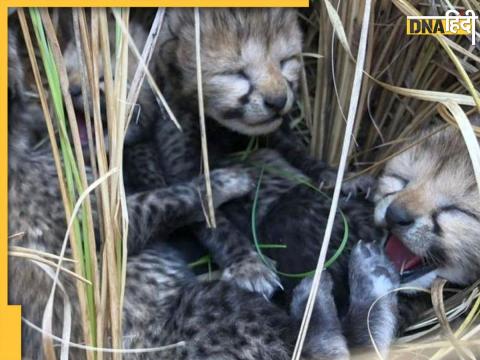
x=324, y=338
x=166, y=209
x=371, y=277
x=141, y=170
x=165, y=304
x=230, y=243
x=233, y=252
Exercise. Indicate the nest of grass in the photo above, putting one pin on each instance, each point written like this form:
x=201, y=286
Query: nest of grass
x=409, y=84
x=364, y=81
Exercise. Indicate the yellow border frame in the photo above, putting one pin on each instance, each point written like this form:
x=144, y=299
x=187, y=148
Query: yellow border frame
x=10, y=315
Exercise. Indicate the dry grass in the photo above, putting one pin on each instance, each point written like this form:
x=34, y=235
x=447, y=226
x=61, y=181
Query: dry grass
x=101, y=299
x=408, y=83
x=352, y=110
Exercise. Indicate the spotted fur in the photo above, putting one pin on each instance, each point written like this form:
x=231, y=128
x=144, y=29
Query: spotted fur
x=164, y=303
x=236, y=78
x=288, y=213
x=36, y=210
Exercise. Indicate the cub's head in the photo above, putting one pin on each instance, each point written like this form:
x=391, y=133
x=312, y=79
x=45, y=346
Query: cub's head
x=145, y=109
x=428, y=198
x=250, y=64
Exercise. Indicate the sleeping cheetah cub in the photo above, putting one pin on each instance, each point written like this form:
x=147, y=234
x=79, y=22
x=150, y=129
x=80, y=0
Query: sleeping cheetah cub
x=250, y=70
x=164, y=302
x=428, y=200
x=249, y=59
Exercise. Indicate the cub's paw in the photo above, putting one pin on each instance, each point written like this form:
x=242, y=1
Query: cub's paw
x=359, y=186
x=364, y=184
x=253, y=275
x=325, y=339
x=324, y=303
x=371, y=273
x=228, y=184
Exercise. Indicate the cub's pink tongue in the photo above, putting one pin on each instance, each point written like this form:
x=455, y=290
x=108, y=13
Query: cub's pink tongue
x=400, y=255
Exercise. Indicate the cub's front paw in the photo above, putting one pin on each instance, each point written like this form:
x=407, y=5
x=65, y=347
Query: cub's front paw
x=228, y=184
x=364, y=184
x=253, y=275
x=372, y=276
x=371, y=272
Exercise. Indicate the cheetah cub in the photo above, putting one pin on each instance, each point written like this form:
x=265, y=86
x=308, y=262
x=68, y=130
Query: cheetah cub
x=427, y=199
x=163, y=299
x=250, y=71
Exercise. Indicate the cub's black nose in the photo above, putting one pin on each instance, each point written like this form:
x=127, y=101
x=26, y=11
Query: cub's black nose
x=398, y=215
x=276, y=103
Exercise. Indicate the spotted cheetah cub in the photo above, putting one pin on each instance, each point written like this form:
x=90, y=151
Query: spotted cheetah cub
x=163, y=299
x=427, y=198
x=250, y=72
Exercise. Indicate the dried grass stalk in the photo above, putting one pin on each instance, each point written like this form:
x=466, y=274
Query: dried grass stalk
x=203, y=132
x=352, y=111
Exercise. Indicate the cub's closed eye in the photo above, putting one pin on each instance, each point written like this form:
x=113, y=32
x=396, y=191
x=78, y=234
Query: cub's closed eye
x=399, y=178
x=454, y=208
x=288, y=59
x=398, y=184
x=238, y=73
x=437, y=228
